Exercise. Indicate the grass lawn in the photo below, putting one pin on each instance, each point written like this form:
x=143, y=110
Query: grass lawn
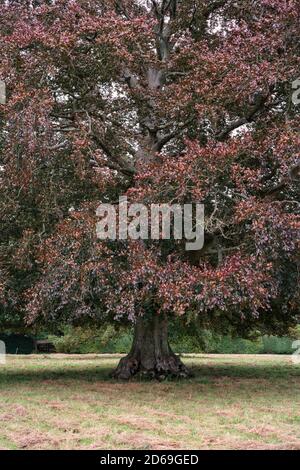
x=70, y=402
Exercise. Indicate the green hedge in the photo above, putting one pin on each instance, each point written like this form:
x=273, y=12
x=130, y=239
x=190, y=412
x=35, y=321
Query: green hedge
x=85, y=340
x=118, y=340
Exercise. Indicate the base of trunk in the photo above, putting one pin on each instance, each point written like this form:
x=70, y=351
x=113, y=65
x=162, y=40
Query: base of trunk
x=151, y=354
x=170, y=366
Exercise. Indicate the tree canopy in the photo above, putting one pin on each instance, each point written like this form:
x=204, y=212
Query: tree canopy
x=162, y=101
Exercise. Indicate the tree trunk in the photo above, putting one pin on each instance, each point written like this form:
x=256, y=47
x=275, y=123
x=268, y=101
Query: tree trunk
x=151, y=354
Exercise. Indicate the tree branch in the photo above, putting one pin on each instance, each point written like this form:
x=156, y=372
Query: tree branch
x=244, y=120
x=165, y=139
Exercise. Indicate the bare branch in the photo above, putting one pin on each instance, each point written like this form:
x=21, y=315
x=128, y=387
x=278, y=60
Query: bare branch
x=165, y=139
x=248, y=118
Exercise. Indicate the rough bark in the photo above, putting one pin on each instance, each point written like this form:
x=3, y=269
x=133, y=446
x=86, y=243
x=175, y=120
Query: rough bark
x=151, y=354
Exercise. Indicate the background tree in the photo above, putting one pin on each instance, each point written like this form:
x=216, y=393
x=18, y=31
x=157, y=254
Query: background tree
x=164, y=101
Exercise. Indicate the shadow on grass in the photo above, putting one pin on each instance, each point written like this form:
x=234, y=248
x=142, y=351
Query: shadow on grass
x=102, y=372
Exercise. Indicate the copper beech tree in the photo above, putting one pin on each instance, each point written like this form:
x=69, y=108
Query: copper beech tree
x=162, y=101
